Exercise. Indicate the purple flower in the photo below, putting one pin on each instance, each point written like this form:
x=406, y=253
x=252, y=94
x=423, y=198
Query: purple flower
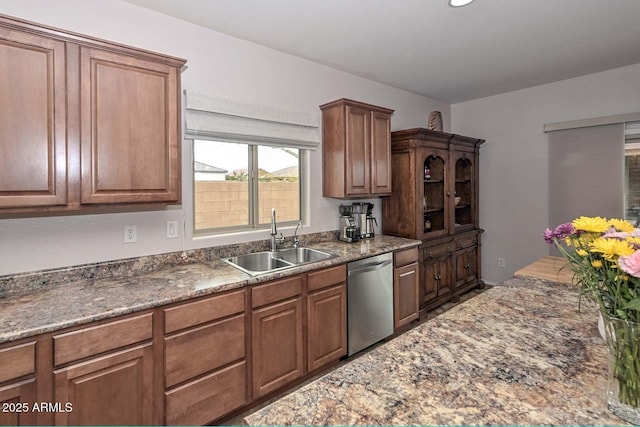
x=564, y=230
x=548, y=236
x=613, y=234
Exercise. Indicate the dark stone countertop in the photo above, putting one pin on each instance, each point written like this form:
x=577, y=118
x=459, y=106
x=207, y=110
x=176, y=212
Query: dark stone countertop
x=49, y=308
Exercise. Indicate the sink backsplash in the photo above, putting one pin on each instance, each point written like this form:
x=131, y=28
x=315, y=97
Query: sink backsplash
x=132, y=267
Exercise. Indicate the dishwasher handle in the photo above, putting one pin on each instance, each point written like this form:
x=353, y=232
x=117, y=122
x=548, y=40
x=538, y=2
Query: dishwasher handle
x=370, y=267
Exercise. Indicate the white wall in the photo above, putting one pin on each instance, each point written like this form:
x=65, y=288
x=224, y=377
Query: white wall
x=216, y=63
x=514, y=171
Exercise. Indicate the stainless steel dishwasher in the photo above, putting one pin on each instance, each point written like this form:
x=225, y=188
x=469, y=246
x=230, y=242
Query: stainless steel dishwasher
x=369, y=301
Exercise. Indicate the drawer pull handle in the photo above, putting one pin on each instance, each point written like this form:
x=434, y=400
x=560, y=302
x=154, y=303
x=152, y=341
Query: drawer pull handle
x=408, y=273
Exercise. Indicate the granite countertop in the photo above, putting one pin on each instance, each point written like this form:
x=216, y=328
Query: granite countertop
x=49, y=308
x=519, y=353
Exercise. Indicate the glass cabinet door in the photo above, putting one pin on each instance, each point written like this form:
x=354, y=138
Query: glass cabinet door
x=434, y=185
x=464, y=192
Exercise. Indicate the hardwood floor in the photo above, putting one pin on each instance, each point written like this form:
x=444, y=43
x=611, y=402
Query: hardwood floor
x=548, y=268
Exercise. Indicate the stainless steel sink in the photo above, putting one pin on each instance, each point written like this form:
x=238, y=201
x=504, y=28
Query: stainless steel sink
x=303, y=255
x=266, y=262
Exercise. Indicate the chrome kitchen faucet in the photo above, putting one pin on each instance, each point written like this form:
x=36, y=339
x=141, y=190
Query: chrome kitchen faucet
x=274, y=232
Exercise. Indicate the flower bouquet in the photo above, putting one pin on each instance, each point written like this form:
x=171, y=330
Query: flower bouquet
x=604, y=256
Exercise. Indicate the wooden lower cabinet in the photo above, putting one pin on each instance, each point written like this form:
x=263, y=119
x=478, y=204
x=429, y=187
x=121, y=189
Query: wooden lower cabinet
x=436, y=275
x=466, y=269
x=205, y=372
x=327, y=325
x=114, y=389
x=18, y=384
x=406, y=306
x=406, y=287
x=17, y=403
x=294, y=317
x=208, y=398
x=276, y=345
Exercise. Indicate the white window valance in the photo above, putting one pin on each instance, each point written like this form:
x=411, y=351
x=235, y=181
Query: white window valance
x=216, y=118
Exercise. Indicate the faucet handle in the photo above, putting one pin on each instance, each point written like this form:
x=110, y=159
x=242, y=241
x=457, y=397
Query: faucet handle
x=296, y=239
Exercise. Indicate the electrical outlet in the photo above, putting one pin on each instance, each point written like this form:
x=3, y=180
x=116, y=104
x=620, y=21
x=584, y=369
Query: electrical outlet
x=130, y=234
x=501, y=263
x=172, y=229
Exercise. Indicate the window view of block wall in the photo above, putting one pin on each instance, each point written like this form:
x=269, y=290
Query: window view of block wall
x=226, y=203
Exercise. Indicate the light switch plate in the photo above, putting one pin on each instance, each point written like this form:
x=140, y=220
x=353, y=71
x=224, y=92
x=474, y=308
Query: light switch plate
x=130, y=234
x=172, y=229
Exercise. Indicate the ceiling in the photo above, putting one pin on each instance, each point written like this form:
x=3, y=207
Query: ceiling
x=429, y=48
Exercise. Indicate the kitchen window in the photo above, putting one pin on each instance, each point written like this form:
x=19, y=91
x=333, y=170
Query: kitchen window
x=236, y=185
x=247, y=159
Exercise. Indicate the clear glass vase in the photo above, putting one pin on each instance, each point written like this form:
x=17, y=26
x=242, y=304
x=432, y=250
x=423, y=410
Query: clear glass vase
x=623, y=387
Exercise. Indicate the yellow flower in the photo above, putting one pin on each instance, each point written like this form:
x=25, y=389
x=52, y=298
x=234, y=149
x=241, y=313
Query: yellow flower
x=611, y=248
x=621, y=225
x=596, y=263
x=582, y=252
x=633, y=240
x=591, y=224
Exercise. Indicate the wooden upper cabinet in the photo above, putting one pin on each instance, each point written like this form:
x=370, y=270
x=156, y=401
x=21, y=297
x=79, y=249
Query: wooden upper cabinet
x=85, y=122
x=380, y=153
x=32, y=120
x=129, y=129
x=357, y=151
x=356, y=147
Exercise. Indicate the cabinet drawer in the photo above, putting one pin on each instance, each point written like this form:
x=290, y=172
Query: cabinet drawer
x=405, y=257
x=208, y=398
x=276, y=291
x=17, y=361
x=203, y=349
x=98, y=339
x=328, y=277
x=434, y=252
x=203, y=311
x=466, y=242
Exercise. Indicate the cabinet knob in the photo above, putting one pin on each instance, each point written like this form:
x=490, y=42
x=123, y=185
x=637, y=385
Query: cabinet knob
x=467, y=265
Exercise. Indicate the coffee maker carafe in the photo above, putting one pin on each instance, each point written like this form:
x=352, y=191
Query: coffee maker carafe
x=365, y=221
x=370, y=221
x=348, y=230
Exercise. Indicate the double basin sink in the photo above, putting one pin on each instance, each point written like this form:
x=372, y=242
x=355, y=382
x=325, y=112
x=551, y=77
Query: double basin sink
x=269, y=261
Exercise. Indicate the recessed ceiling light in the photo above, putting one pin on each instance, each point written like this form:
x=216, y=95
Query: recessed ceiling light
x=459, y=3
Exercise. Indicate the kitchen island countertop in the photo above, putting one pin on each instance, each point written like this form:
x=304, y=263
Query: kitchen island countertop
x=519, y=353
x=50, y=308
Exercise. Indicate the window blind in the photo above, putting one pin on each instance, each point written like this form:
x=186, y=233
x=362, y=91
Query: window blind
x=215, y=118
x=586, y=173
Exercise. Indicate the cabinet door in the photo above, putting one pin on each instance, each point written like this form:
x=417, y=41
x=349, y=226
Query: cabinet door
x=17, y=401
x=380, y=153
x=327, y=326
x=464, y=191
x=433, y=174
x=277, y=349
x=466, y=266
x=33, y=157
x=129, y=129
x=115, y=389
x=357, y=151
x=405, y=295
x=437, y=274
